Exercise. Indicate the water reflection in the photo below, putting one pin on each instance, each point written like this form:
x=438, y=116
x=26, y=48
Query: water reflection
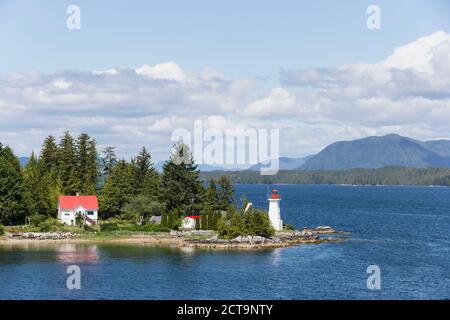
x=71, y=253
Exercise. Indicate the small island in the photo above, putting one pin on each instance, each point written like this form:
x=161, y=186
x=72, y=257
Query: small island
x=68, y=195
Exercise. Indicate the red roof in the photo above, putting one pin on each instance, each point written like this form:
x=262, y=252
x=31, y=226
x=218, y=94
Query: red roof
x=73, y=202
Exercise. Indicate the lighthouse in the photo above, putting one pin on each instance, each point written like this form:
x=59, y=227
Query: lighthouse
x=274, y=211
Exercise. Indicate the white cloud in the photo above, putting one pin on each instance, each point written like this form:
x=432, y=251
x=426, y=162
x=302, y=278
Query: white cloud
x=165, y=71
x=408, y=93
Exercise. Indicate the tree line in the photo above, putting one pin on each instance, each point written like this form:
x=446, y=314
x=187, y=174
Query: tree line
x=382, y=176
x=130, y=189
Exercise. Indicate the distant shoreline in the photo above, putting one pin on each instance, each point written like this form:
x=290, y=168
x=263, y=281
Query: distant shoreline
x=387, y=176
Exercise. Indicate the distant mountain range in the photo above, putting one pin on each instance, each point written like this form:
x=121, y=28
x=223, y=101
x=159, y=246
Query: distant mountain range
x=285, y=163
x=378, y=152
x=370, y=152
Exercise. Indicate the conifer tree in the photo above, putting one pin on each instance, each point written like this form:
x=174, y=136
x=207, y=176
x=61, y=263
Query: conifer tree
x=181, y=186
x=67, y=165
x=147, y=179
x=118, y=188
x=87, y=167
x=211, y=197
x=37, y=192
x=48, y=170
x=12, y=191
x=48, y=160
x=226, y=193
x=109, y=160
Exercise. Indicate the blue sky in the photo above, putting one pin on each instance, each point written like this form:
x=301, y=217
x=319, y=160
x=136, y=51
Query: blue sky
x=138, y=70
x=240, y=38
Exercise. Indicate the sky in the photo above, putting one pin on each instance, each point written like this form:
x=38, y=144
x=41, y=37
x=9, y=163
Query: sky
x=138, y=70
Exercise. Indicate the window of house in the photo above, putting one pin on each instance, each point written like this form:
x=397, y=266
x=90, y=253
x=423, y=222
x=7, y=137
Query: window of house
x=90, y=213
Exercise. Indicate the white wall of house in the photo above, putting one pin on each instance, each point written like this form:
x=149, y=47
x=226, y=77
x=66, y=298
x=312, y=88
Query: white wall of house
x=69, y=216
x=66, y=216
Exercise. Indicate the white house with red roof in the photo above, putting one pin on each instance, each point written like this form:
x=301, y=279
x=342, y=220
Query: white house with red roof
x=69, y=207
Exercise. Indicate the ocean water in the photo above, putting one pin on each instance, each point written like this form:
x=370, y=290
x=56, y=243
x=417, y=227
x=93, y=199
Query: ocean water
x=402, y=230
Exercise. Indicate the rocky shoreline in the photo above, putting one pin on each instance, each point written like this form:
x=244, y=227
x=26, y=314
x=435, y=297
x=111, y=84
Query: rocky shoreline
x=192, y=239
x=42, y=235
x=281, y=239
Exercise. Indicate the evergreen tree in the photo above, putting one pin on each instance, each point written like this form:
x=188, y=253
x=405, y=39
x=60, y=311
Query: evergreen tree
x=118, y=188
x=67, y=165
x=87, y=167
x=37, y=191
x=8, y=154
x=143, y=163
x=226, y=193
x=48, y=170
x=164, y=219
x=204, y=221
x=147, y=179
x=181, y=187
x=197, y=224
x=12, y=191
x=170, y=219
x=109, y=160
x=48, y=160
x=211, y=197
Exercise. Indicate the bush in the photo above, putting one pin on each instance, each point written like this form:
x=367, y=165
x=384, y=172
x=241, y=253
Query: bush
x=109, y=226
x=149, y=228
x=253, y=224
x=120, y=225
x=90, y=228
x=37, y=219
x=49, y=225
x=287, y=226
x=2, y=230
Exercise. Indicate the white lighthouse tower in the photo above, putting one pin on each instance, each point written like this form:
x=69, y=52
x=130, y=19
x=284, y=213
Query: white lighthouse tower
x=274, y=211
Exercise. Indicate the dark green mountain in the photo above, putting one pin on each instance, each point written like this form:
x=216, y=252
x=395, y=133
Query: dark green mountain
x=378, y=152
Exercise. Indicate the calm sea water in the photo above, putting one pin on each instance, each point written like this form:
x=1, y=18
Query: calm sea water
x=403, y=230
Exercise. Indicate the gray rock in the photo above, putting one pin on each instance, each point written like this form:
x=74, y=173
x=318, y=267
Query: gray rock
x=213, y=239
x=258, y=239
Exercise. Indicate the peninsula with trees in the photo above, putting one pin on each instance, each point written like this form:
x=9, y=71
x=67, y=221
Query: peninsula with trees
x=135, y=202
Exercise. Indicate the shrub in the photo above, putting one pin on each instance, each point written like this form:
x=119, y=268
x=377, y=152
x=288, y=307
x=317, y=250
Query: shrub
x=149, y=228
x=231, y=227
x=253, y=224
x=287, y=226
x=2, y=230
x=90, y=228
x=109, y=226
x=37, y=219
x=49, y=225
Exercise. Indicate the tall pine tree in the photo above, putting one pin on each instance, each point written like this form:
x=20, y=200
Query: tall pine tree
x=37, y=189
x=67, y=165
x=12, y=191
x=226, y=193
x=109, y=160
x=87, y=166
x=181, y=186
x=119, y=187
